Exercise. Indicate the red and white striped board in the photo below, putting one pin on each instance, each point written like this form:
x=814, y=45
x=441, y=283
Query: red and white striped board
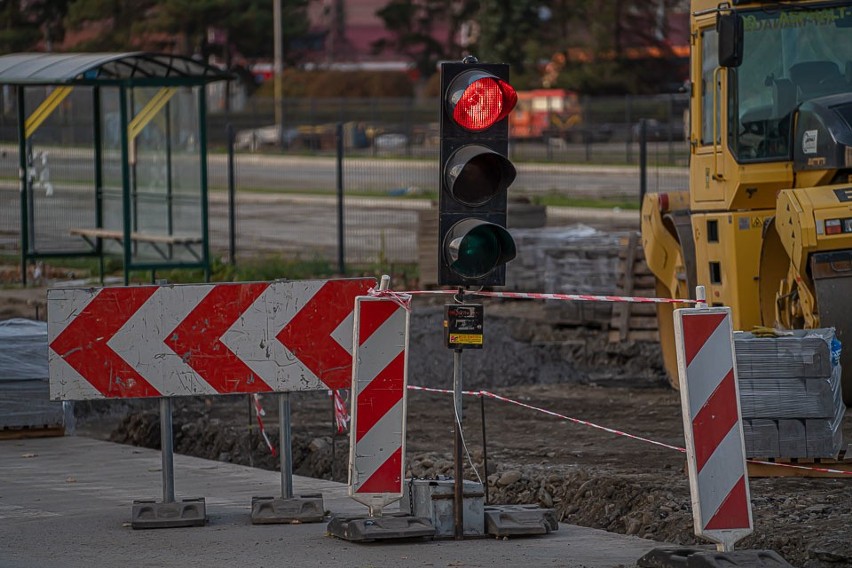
x=721, y=504
x=157, y=341
x=379, y=380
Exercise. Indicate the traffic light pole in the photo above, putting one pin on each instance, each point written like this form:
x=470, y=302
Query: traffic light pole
x=458, y=497
x=473, y=242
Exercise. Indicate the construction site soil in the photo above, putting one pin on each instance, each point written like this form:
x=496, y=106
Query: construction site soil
x=590, y=476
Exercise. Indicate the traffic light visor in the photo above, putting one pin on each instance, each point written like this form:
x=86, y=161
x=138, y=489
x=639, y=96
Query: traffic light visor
x=474, y=174
x=475, y=248
x=478, y=100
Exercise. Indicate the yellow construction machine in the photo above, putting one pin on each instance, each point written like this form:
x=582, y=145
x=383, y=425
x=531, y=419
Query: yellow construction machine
x=766, y=225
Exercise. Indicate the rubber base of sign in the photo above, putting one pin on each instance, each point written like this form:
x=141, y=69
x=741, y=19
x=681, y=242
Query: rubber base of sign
x=150, y=514
x=519, y=520
x=292, y=510
x=690, y=557
x=389, y=527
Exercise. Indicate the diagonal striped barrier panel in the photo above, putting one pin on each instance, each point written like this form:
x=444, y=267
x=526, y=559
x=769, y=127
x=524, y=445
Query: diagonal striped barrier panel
x=379, y=377
x=721, y=506
x=164, y=341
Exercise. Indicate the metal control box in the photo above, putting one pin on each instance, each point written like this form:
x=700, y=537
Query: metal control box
x=433, y=499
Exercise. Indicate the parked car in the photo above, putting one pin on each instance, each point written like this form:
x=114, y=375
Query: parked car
x=658, y=131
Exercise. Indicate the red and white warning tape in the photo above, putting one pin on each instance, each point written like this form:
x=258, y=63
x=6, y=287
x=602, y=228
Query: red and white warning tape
x=487, y=394
x=536, y=296
x=341, y=413
x=259, y=412
x=403, y=299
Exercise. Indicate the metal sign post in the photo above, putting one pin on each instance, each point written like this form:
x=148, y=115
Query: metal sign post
x=286, y=509
x=458, y=486
x=463, y=326
x=285, y=444
x=463, y=329
x=150, y=514
x=167, y=450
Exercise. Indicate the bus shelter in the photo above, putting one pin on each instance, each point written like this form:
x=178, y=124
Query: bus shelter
x=111, y=157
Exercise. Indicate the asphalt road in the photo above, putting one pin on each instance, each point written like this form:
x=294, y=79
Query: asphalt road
x=378, y=230
x=361, y=174
x=270, y=219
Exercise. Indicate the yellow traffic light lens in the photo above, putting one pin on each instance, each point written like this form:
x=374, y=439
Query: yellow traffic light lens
x=483, y=103
x=476, y=174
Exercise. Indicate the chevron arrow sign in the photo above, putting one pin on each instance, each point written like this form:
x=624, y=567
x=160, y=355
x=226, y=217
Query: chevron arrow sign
x=156, y=341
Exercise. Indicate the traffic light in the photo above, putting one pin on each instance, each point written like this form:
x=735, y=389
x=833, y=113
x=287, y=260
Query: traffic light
x=475, y=174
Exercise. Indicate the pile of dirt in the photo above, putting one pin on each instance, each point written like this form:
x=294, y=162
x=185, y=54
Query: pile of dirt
x=522, y=347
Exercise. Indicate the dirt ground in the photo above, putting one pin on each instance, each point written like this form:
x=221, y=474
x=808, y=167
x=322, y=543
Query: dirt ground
x=590, y=476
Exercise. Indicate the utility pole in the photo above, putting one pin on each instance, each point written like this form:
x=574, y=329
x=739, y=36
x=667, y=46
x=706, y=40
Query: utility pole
x=278, y=69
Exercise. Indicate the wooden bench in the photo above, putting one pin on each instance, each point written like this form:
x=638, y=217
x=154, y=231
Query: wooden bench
x=90, y=235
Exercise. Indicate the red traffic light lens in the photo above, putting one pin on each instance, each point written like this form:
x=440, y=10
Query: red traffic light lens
x=481, y=100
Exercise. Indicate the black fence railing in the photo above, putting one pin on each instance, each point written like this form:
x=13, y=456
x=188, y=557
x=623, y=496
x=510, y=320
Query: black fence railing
x=286, y=183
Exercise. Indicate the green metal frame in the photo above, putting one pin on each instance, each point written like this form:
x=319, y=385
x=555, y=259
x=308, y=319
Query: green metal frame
x=125, y=88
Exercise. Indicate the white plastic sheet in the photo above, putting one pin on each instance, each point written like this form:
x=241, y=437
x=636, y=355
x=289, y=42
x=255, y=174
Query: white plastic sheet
x=23, y=350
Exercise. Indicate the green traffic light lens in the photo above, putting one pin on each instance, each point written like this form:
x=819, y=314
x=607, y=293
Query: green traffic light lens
x=478, y=253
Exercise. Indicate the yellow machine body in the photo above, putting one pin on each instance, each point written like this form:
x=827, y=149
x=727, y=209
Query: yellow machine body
x=766, y=222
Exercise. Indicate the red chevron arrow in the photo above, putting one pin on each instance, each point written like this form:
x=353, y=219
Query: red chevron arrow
x=83, y=344
x=308, y=334
x=197, y=340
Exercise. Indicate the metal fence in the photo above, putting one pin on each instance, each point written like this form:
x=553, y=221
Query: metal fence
x=607, y=131
x=286, y=180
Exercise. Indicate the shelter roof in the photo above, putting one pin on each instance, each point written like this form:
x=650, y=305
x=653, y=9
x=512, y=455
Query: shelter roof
x=105, y=68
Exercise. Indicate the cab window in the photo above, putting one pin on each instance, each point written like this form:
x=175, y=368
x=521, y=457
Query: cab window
x=709, y=64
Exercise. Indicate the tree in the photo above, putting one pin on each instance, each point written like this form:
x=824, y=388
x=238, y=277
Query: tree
x=16, y=33
x=21, y=29
x=49, y=15
x=626, y=45
x=124, y=18
x=183, y=25
x=412, y=24
x=187, y=21
x=251, y=28
x=246, y=25
x=505, y=30
x=414, y=27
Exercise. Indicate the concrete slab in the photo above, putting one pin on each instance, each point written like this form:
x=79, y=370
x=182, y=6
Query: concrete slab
x=66, y=503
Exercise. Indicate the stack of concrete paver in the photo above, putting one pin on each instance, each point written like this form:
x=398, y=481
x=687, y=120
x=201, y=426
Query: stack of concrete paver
x=567, y=260
x=790, y=394
x=24, y=388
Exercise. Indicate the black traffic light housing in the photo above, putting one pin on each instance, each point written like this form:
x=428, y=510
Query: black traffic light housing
x=475, y=174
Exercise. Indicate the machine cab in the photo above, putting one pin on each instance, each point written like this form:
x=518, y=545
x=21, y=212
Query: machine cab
x=774, y=96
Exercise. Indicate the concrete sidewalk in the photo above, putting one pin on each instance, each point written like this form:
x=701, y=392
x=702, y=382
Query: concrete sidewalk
x=66, y=502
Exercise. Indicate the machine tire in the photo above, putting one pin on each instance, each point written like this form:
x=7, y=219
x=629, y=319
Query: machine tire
x=774, y=265
x=665, y=324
